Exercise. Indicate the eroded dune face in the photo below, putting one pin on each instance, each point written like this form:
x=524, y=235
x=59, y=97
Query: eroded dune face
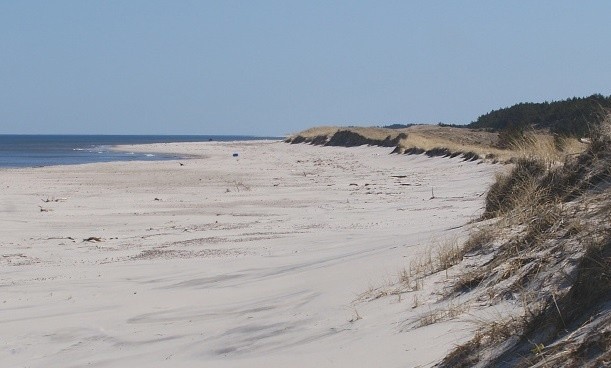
x=253, y=260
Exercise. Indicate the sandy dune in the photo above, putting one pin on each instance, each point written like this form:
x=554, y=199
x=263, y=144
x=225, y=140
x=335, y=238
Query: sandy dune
x=253, y=261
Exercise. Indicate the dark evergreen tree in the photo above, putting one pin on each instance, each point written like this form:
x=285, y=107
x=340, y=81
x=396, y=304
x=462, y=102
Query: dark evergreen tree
x=571, y=117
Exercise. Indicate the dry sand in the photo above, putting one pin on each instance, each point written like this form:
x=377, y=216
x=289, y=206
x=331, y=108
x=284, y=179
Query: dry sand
x=254, y=261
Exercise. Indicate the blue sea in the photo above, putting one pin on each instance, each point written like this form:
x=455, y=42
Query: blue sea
x=47, y=150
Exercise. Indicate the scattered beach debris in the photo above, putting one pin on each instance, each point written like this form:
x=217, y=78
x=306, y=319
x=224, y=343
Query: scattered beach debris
x=93, y=239
x=61, y=238
x=54, y=200
x=356, y=316
x=18, y=259
x=240, y=186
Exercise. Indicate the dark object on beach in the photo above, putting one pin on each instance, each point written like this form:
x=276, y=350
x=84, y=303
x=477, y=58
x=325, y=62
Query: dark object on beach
x=54, y=200
x=235, y=155
x=93, y=239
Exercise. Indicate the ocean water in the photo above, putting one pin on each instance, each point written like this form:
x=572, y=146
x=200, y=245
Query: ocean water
x=48, y=150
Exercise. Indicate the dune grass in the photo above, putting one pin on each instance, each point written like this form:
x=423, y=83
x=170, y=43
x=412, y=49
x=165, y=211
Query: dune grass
x=554, y=255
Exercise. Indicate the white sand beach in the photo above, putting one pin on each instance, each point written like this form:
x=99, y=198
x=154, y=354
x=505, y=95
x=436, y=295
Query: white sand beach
x=250, y=261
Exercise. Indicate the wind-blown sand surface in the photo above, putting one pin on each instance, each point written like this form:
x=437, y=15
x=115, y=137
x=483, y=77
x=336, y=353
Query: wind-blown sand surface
x=253, y=261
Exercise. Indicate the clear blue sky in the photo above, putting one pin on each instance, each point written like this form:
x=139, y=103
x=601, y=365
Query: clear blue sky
x=276, y=67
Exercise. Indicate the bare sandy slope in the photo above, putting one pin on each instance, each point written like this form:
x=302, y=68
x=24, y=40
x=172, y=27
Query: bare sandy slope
x=252, y=261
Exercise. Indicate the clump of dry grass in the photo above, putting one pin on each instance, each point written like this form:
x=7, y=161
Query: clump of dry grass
x=489, y=333
x=410, y=280
x=551, y=149
x=510, y=190
x=530, y=145
x=538, y=178
x=436, y=258
x=450, y=311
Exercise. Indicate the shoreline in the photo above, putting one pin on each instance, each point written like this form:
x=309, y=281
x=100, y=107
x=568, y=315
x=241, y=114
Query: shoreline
x=248, y=261
x=183, y=148
x=34, y=151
